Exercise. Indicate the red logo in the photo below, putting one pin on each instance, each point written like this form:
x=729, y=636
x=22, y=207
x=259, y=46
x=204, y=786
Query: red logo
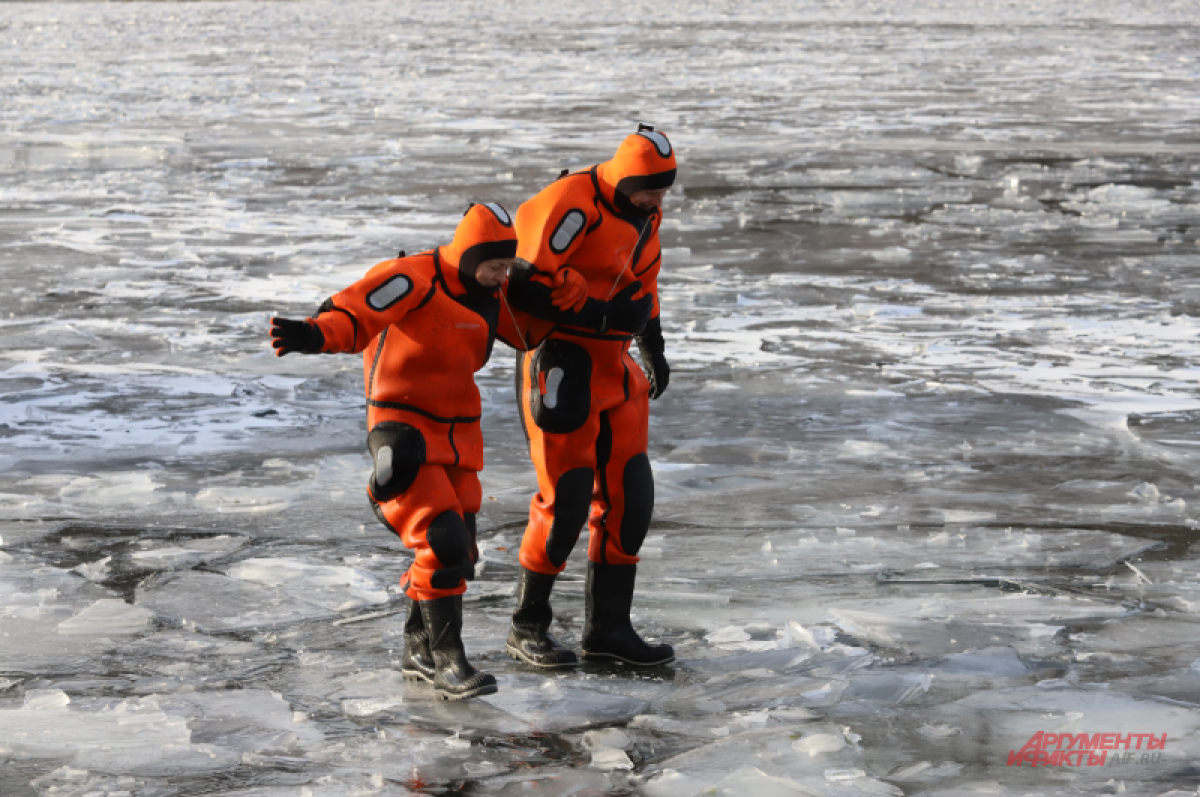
x=1087, y=750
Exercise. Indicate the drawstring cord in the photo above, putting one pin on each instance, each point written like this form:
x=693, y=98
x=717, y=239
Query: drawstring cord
x=512, y=315
x=628, y=261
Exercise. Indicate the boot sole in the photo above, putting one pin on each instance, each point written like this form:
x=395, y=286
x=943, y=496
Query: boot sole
x=516, y=654
x=415, y=675
x=490, y=689
x=589, y=656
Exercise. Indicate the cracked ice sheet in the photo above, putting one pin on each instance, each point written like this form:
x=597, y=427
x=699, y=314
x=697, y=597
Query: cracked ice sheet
x=260, y=593
x=37, y=600
x=935, y=627
x=812, y=760
x=156, y=735
x=845, y=550
x=1101, y=364
x=985, y=726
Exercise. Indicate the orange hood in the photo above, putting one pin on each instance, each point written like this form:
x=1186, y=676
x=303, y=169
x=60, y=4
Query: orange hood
x=645, y=161
x=485, y=233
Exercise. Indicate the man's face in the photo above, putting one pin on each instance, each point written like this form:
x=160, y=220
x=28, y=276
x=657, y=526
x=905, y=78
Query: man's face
x=648, y=200
x=493, y=273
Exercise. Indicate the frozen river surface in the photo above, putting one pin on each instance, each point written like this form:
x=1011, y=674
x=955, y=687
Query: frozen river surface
x=926, y=468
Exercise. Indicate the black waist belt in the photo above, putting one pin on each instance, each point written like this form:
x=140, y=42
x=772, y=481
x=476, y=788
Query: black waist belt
x=396, y=405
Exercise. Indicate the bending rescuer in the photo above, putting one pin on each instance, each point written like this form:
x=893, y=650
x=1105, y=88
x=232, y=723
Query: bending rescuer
x=426, y=324
x=590, y=241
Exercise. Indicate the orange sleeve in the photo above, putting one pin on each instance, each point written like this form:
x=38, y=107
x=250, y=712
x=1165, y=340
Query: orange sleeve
x=349, y=320
x=550, y=227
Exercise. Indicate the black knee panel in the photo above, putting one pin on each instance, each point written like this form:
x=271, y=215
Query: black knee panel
x=572, y=500
x=450, y=541
x=397, y=452
x=378, y=510
x=638, y=482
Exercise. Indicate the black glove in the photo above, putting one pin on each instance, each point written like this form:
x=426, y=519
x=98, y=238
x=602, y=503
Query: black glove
x=626, y=314
x=651, y=345
x=620, y=312
x=288, y=336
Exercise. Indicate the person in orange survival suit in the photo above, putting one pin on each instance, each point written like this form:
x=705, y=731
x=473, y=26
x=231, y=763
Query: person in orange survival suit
x=587, y=266
x=426, y=324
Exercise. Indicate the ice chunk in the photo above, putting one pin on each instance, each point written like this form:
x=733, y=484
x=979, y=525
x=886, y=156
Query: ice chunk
x=1145, y=492
x=726, y=635
x=245, y=720
x=37, y=733
x=1008, y=718
x=886, y=687
x=753, y=781
x=892, y=254
x=108, y=617
x=608, y=748
x=966, y=516
x=46, y=700
x=818, y=743
x=994, y=662
x=245, y=500
x=337, y=587
x=772, y=749
x=371, y=692
x=218, y=603
x=94, y=571
x=113, y=489
x=175, y=557
x=550, y=705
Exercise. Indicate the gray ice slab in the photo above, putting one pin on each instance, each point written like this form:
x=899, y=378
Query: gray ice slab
x=857, y=549
x=1166, y=640
x=214, y=602
x=108, y=617
x=552, y=705
x=53, y=728
x=818, y=759
x=984, y=727
x=36, y=600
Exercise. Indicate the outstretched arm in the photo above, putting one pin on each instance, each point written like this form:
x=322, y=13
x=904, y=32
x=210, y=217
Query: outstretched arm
x=349, y=320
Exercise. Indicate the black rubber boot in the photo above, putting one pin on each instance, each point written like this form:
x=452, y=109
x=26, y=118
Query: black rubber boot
x=528, y=640
x=607, y=632
x=417, y=664
x=454, y=677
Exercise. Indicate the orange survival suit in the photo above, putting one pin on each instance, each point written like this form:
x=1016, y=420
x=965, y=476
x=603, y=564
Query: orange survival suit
x=583, y=399
x=425, y=326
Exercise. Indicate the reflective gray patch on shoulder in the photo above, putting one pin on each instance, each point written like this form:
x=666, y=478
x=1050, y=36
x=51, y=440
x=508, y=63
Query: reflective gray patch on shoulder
x=659, y=141
x=390, y=292
x=567, y=231
x=499, y=212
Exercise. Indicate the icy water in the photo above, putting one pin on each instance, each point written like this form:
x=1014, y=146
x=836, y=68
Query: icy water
x=926, y=468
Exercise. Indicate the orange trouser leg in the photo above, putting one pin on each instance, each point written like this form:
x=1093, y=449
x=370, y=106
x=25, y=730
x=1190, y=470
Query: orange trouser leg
x=599, y=470
x=623, y=497
x=435, y=520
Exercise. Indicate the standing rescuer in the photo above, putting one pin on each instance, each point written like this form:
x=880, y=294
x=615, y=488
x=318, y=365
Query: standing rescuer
x=426, y=324
x=586, y=270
